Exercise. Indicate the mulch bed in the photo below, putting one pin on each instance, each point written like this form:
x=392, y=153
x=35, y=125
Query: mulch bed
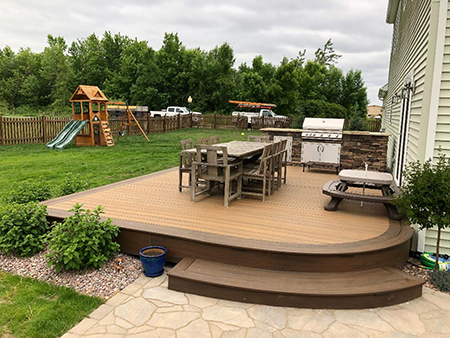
x=103, y=283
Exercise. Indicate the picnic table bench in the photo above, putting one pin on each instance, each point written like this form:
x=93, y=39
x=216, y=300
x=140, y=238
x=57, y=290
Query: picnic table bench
x=337, y=189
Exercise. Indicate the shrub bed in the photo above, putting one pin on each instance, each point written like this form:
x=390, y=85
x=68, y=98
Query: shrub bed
x=23, y=228
x=82, y=240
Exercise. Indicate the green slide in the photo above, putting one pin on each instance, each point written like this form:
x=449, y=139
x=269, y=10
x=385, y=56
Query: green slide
x=67, y=134
x=61, y=134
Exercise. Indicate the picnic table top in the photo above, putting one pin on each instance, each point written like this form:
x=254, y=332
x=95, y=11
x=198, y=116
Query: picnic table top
x=239, y=149
x=371, y=177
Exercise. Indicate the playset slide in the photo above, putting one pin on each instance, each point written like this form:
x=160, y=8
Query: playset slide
x=67, y=134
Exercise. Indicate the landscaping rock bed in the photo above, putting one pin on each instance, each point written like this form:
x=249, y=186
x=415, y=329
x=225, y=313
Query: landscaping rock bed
x=104, y=282
x=412, y=267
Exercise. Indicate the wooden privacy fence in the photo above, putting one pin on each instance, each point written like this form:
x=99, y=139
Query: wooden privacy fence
x=42, y=129
x=370, y=125
x=24, y=130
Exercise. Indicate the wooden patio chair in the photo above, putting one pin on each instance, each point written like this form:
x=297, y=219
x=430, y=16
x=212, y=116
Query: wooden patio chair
x=203, y=141
x=280, y=163
x=185, y=163
x=216, y=167
x=276, y=164
x=258, y=138
x=187, y=144
x=261, y=172
x=214, y=140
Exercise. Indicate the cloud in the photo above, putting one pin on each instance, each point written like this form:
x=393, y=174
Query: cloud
x=273, y=29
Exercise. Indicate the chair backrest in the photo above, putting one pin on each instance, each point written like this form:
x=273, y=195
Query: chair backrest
x=186, y=159
x=203, y=141
x=258, y=138
x=265, y=158
x=276, y=153
x=214, y=140
x=283, y=150
x=187, y=144
x=215, y=156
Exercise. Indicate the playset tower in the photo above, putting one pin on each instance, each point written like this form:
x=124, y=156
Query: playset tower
x=90, y=104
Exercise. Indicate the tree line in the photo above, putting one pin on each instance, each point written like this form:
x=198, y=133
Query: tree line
x=130, y=70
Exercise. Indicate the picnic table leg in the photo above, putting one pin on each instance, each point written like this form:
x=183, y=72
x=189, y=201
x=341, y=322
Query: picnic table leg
x=335, y=201
x=333, y=204
x=391, y=209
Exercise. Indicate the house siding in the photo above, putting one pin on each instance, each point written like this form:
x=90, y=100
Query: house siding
x=442, y=136
x=408, y=54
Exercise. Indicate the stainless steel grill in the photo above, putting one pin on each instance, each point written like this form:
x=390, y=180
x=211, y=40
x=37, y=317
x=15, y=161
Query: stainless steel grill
x=322, y=129
x=321, y=142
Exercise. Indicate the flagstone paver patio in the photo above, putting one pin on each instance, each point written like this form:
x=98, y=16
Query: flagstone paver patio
x=147, y=308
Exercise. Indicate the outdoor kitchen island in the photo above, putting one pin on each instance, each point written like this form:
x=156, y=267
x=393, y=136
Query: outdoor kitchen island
x=287, y=251
x=358, y=147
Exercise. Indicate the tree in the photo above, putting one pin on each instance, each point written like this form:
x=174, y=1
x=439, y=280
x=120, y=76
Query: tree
x=327, y=56
x=424, y=196
x=171, y=61
x=54, y=71
x=354, y=93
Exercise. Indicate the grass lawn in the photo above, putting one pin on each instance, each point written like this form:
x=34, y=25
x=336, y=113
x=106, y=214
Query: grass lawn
x=131, y=156
x=31, y=308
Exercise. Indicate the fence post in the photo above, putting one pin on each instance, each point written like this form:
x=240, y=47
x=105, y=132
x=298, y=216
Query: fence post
x=179, y=121
x=164, y=124
x=215, y=121
x=2, y=137
x=44, y=128
x=148, y=123
x=191, y=119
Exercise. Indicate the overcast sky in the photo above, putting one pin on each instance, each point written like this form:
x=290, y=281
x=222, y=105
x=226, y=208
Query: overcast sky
x=272, y=29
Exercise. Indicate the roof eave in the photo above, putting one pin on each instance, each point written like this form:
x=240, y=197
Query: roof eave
x=392, y=11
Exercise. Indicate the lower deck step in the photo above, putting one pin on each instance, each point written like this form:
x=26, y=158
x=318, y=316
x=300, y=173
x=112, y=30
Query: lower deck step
x=335, y=290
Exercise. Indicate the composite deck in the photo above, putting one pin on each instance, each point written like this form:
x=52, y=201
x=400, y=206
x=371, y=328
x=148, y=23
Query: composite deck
x=290, y=234
x=294, y=214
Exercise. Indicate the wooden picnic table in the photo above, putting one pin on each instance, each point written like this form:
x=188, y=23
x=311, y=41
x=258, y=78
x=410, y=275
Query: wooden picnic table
x=239, y=149
x=337, y=189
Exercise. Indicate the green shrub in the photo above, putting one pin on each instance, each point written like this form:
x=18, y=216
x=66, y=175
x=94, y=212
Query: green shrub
x=29, y=191
x=22, y=228
x=441, y=279
x=72, y=184
x=82, y=240
x=357, y=123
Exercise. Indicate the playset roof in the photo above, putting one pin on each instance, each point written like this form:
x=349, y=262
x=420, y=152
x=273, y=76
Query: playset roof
x=91, y=93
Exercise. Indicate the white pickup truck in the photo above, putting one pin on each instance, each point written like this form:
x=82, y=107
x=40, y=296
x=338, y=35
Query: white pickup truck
x=262, y=112
x=172, y=111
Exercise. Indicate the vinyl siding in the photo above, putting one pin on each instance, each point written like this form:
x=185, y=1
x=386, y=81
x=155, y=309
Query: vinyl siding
x=409, y=54
x=442, y=138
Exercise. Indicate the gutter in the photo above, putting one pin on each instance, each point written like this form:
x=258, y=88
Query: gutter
x=392, y=11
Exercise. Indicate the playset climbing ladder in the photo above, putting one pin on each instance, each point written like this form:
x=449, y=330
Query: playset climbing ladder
x=106, y=130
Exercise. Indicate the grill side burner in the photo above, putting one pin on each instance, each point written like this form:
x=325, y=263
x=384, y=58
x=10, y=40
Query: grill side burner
x=321, y=142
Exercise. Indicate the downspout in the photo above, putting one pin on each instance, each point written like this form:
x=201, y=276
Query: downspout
x=430, y=107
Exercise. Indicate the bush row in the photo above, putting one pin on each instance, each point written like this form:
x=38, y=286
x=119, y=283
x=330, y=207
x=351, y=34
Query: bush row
x=40, y=190
x=83, y=240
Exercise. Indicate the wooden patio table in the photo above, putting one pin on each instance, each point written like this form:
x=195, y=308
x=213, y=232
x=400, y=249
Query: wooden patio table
x=238, y=149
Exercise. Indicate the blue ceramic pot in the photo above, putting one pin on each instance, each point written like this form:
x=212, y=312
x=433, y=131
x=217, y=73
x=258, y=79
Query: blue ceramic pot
x=153, y=259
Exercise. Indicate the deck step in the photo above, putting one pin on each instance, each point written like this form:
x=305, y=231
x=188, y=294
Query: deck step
x=337, y=290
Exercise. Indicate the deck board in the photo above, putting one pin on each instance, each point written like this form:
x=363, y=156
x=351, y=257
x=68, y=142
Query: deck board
x=294, y=214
